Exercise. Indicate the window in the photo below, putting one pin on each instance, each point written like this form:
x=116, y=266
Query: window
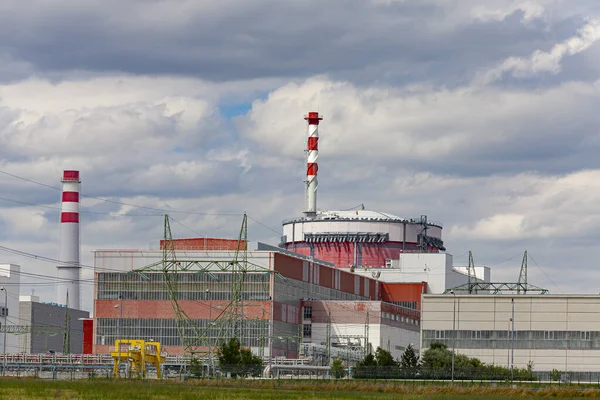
x=440, y=334
x=585, y=335
x=475, y=334
x=307, y=330
x=549, y=335
x=307, y=312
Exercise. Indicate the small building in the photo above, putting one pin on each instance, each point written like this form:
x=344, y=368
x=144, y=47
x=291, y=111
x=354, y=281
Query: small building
x=44, y=327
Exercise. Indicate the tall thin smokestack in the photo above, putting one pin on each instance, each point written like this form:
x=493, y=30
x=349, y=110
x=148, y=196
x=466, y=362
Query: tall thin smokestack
x=68, y=250
x=312, y=154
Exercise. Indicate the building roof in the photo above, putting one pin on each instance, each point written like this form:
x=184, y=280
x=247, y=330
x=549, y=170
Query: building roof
x=358, y=215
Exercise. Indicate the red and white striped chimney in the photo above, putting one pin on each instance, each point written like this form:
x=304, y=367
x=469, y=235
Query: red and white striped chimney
x=312, y=154
x=68, y=247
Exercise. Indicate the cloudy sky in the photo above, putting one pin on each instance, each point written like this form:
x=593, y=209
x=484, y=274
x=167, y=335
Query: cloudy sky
x=480, y=114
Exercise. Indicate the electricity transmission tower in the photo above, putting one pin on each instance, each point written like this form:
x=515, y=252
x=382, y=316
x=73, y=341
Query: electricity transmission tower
x=523, y=275
x=67, y=334
x=231, y=321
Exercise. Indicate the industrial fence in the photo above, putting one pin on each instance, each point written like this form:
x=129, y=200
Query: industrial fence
x=473, y=374
x=393, y=372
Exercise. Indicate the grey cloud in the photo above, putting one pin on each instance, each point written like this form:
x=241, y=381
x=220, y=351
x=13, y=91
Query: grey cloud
x=243, y=40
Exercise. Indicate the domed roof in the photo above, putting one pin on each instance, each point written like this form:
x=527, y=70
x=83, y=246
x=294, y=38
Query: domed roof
x=357, y=214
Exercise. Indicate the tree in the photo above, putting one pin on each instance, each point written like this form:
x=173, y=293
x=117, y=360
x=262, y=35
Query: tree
x=237, y=360
x=337, y=369
x=384, y=358
x=409, y=362
x=196, y=369
x=368, y=361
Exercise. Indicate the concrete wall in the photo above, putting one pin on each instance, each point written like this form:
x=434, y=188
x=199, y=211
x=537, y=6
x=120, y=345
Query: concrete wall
x=41, y=315
x=553, y=331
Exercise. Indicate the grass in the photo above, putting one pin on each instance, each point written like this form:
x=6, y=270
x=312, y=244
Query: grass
x=28, y=388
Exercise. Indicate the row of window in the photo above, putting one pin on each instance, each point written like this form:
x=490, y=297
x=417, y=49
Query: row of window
x=503, y=339
x=189, y=286
x=508, y=334
x=254, y=332
x=400, y=318
x=291, y=290
x=413, y=305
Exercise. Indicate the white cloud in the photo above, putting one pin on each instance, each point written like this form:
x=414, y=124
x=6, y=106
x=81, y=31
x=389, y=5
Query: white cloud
x=544, y=61
x=530, y=9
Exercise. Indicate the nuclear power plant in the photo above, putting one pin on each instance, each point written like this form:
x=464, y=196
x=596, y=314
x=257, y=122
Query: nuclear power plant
x=340, y=284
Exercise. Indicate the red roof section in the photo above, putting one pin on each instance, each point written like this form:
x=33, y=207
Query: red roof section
x=206, y=244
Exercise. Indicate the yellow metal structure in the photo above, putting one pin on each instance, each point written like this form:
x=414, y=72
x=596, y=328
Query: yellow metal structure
x=137, y=353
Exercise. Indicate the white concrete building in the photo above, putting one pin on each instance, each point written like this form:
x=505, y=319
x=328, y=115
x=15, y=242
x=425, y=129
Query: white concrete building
x=553, y=331
x=10, y=280
x=436, y=269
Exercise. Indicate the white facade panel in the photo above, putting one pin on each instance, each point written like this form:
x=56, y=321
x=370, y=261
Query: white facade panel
x=294, y=231
x=10, y=280
x=552, y=331
x=434, y=268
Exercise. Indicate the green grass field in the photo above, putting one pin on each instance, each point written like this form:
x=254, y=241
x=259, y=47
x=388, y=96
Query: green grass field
x=11, y=388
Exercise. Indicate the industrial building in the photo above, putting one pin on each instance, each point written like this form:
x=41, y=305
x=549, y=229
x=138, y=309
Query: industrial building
x=46, y=323
x=133, y=303
x=559, y=332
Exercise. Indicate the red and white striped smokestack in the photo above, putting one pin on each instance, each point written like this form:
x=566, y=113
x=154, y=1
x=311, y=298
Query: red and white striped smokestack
x=68, y=247
x=312, y=154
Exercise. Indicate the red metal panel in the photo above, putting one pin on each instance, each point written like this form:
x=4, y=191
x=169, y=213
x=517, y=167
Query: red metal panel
x=341, y=254
x=326, y=276
x=347, y=282
x=394, y=292
x=88, y=336
x=289, y=267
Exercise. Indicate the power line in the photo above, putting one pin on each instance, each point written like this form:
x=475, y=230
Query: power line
x=508, y=259
x=112, y=214
x=186, y=227
x=550, y=279
x=265, y=226
x=120, y=202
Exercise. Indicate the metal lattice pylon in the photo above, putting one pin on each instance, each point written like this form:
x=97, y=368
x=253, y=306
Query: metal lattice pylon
x=523, y=274
x=67, y=334
x=229, y=322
